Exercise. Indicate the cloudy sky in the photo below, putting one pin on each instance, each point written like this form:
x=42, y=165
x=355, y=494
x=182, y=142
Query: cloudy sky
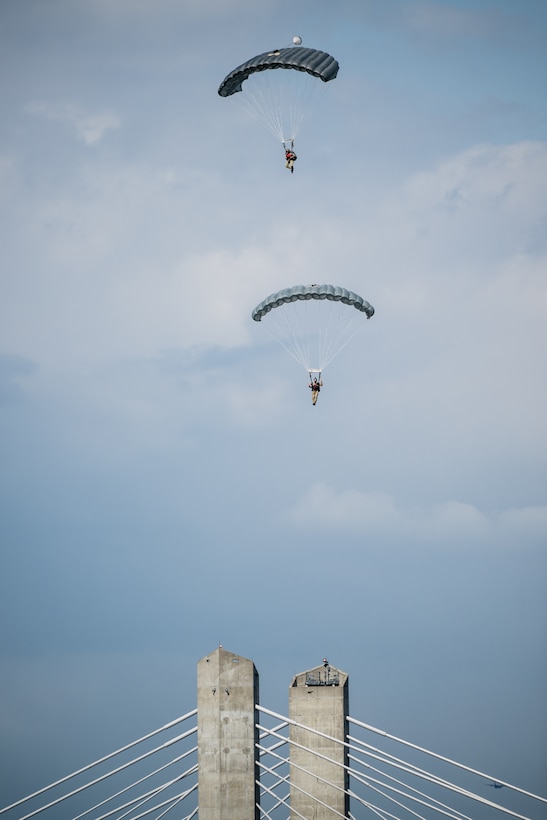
x=166, y=484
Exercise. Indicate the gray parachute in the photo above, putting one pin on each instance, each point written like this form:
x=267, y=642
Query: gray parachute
x=310, y=60
x=280, y=87
x=313, y=322
x=305, y=292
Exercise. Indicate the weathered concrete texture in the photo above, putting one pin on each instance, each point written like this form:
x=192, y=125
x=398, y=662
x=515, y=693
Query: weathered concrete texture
x=227, y=755
x=319, y=699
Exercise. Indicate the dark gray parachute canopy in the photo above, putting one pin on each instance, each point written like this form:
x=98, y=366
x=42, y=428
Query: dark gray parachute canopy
x=317, y=63
x=300, y=293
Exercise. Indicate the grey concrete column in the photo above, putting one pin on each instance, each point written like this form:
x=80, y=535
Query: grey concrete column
x=227, y=755
x=319, y=699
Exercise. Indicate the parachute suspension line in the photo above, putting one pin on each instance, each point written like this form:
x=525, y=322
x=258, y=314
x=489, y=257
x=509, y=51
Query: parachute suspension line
x=291, y=332
x=342, y=326
x=314, y=331
x=279, y=100
x=257, y=102
x=263, y=102
x=281, y=331
x=333, y=328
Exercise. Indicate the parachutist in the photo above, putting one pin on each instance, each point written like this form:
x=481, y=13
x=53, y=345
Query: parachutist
x=315, y=387
x=290, y=158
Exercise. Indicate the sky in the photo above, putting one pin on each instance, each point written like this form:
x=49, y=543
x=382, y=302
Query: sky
x=166, y=484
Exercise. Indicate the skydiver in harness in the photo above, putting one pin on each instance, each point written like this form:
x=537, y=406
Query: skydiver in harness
x=315, y=386
x=290, y=157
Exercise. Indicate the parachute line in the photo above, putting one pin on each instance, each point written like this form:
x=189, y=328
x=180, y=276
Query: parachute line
x=279, y=100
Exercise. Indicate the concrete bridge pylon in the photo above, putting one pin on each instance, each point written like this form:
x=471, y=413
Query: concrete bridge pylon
x=319, y=701
x=227, y=755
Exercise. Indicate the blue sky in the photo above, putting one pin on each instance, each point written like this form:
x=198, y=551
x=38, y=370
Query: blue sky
x=166, y=485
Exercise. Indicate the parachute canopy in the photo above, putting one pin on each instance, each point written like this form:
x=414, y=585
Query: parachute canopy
x=300, y=293
x=314, y=322
x=314, y=62
x=278, y=86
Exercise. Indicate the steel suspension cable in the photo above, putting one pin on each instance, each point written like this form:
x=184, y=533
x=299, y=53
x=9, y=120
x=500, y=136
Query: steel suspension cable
x=445, y=759
x=460, y=815
x=136, y=783
x=432, y=778
x=140, y=800
x=99, y=761
x=107, y=774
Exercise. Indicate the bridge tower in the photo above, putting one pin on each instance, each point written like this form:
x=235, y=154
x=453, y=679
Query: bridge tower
x=227, y=754
x=319, y=699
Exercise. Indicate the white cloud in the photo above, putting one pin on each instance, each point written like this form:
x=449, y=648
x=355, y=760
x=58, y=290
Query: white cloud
x=376, y=515
x=453, y=521
x=253, y=405
x=470, y=211
x=351, y=510
x=89, y=128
